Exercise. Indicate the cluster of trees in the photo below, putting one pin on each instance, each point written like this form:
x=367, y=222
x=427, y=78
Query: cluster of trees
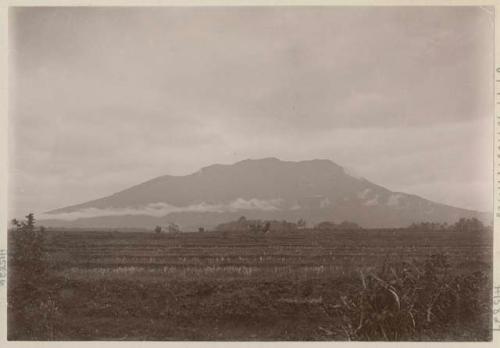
x=468, y=225
x=462, y=225
x=332, y=226
x=243, y=225
x=171, y=228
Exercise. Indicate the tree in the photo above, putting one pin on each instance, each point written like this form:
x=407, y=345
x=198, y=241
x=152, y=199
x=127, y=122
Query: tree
x=348, y=225
x=173, y=228
x=158, y=229
x=30, y=220
x=326, y=225
x=301, y=224
x=256, y=226
x=468, y=225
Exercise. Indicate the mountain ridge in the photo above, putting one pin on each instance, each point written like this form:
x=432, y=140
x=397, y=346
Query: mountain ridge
x=316, y=190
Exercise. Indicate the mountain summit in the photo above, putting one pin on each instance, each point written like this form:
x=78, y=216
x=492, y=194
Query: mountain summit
x=314, y=190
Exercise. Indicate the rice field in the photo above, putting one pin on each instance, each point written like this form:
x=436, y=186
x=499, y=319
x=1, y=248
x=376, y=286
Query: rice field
x=243, y=255
x=304, y=285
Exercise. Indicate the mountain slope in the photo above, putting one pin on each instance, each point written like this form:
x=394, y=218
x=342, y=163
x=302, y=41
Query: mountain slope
x=315, y=190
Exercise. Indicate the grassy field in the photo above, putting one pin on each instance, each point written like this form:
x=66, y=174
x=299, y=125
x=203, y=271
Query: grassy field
x=305, y=285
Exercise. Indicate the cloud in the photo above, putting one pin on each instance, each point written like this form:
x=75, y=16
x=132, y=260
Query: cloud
x=162, y=209
x=255, y=204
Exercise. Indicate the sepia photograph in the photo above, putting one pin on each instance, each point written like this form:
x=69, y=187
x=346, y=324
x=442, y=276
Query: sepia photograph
x=250, y=173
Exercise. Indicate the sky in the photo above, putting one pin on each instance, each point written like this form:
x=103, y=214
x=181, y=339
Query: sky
x=101, y=99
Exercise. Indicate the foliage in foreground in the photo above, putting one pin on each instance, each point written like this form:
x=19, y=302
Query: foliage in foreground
x=408, y=299
x=28, y=301
x=26, y=249
x=405, y=302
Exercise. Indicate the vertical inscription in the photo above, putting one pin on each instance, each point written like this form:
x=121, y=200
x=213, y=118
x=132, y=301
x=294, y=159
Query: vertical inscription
x=496, y=308
x=496, y=288
x=3, y=267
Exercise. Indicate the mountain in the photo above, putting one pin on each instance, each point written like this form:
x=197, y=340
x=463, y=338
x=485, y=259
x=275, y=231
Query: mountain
x=315, y=190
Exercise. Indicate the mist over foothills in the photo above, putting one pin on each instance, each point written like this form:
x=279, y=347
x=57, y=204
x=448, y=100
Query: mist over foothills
x=265, y=189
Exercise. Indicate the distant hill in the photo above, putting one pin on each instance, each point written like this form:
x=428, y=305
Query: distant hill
x=270, y=189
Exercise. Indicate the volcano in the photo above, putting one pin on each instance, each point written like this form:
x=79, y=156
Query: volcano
x=271, y=189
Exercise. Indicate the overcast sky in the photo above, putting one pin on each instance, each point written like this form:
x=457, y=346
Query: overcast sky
x=103, y=99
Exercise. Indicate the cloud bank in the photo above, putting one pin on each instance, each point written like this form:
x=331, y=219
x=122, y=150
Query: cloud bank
x=162, y=209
